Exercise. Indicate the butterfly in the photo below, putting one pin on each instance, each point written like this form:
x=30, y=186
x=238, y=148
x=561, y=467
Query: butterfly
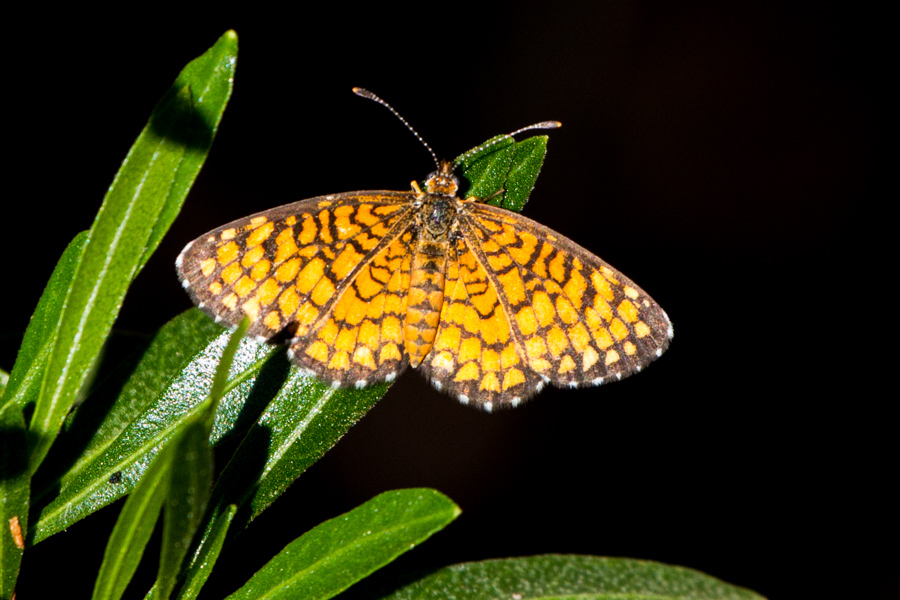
x=490, y=305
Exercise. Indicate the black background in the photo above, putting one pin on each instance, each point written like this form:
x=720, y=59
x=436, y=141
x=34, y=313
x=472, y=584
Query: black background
x=724, y=157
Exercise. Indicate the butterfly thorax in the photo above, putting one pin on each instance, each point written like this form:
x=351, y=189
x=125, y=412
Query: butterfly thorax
x=437, y=217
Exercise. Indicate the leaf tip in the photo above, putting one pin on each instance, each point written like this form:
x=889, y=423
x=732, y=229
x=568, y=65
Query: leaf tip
x=227, y=46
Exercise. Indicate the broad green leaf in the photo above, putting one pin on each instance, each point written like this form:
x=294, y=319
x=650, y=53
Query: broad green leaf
x=180, y=478
x=28, y=371
x=501, y=163
x=4, y=380
x=336, y=554
x=141, y=203
x=566, y=577
x=14, y=492
x=170, y=382
x=116, y=405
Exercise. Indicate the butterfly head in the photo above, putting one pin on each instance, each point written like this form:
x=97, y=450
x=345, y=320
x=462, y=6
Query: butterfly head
x=442, y=181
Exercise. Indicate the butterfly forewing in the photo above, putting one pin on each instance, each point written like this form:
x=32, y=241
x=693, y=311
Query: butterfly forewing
x=290, y=266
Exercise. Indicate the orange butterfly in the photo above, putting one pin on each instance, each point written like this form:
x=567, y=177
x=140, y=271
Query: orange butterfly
x=490, y=305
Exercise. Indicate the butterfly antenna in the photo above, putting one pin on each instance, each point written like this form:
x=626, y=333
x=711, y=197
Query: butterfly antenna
x=541, y=125
x=367, y=94
x=500, y=138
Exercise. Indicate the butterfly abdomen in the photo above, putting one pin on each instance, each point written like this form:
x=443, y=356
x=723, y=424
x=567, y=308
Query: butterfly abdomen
x=426, y=296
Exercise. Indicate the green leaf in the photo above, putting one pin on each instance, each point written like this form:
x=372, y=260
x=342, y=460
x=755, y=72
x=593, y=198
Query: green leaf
x=485, y=167
x=206, y=559
x=191, y=478
x=337, y=553
x=169, y=383
x=501, y=163
x=566, y=577
x=301, y=424
x=139, y=206
x=190, y=484
x=180, y=477
x=304, y=418
x=133, y=528
x=524, y=171
x=209, y=80
x=14, y=492
x=28, y=372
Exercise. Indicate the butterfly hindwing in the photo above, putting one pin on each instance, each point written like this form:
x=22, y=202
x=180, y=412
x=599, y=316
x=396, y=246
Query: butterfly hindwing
x=358, y=339
x=554, y=312
x=476, y=356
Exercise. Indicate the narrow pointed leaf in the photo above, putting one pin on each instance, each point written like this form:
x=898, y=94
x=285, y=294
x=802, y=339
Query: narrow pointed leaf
x=28, y=372
x=304, y=421
x=210, y=78
x=191, y=476
x=172, y=379
x=565, y=577
x=185, y=460
x=14, y=492
x=206, y=560
x=336, y=554
x=143, y=199
x=133, y=529
x=190, y=484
